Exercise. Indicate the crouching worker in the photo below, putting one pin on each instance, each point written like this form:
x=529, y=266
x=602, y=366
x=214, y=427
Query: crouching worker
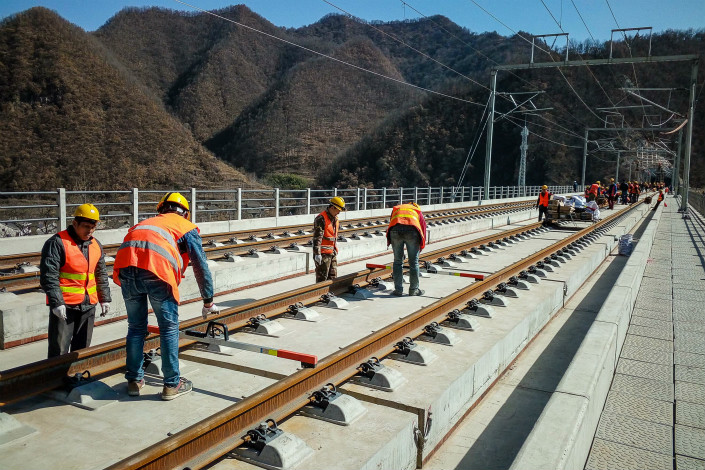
x=73, y=275
x=150, y=264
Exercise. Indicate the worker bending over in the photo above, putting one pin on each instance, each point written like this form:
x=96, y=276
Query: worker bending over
x=150, y=264
x=407, y=227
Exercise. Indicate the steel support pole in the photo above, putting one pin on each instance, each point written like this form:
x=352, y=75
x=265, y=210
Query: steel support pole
x=582, y=178
x=689, y=135
x=490, y=131
x=239, y=203
x=61, y=208
x=676, y=177
x=193, y=205
x=616, y=173
x=308, y=201
x=135, y=206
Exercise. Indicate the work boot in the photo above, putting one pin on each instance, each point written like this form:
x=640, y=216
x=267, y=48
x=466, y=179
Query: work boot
x=184, y=386
x=416, y=292
x=134, y=387
x=398, y=293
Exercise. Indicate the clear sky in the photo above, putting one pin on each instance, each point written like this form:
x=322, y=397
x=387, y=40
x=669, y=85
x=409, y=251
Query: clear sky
x=525, y=15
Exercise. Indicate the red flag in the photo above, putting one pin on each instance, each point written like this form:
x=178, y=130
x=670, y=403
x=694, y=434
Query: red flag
x=664, y=204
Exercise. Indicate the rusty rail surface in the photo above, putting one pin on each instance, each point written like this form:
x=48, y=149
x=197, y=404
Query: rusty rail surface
x=215, y=436
x=27, y=281
x=31, y=379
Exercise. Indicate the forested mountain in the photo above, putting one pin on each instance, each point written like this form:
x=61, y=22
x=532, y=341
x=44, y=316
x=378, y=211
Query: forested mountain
x=157, y=97
x=70, y=117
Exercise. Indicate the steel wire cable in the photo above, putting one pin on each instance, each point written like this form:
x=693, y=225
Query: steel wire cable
x=521, y=126
x=321, y=54
x=488, y=58
x=549, y=55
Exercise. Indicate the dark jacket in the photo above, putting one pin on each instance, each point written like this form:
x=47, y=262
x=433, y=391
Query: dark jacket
x=54, y=256
x=319, y=228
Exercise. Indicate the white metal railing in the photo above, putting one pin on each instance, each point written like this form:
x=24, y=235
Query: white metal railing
x=32, y=212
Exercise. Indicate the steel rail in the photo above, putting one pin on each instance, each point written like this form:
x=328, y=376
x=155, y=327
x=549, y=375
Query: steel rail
x=28, y=380
x=9, y=261
x=215, y=436
x=28, y=281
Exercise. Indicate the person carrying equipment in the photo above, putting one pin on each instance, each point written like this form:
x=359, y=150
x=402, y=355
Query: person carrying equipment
x=73, y=275
x=407, y=227
x=150, y=264
x=325, y=236
x=542, y=202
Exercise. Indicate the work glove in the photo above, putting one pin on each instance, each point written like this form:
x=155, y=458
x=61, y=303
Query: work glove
x=213, y=309
x=60, y=312
x=104, y=308
x=318, y=259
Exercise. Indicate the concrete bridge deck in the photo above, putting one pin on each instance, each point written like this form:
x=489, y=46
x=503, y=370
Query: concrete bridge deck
x=654, y=401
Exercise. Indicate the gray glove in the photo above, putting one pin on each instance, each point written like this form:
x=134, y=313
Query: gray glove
x=104, y=308
x=213, y=309
x=60, y=312
x=317, y=259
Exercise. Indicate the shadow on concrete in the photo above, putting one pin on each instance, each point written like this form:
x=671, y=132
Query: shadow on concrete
x=500, y=442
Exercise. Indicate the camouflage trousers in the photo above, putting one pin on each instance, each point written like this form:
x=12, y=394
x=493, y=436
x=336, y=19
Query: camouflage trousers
x=328, y=269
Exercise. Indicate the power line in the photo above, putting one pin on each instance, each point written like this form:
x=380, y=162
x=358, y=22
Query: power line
x=486, y=57
x=402, y=82
x=549, y=55
x=393, y=37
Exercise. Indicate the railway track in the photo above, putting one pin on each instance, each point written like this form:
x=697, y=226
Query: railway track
x=214, y=436
x=240, y=243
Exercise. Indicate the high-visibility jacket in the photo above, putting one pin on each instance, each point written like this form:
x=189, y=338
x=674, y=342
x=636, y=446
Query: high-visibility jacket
x=594, y=189
x=660, y=196
x=544, y=198
x=330, y=235
x=631, y=188
x=407, y=214
x=152, y=245
x=77, y=274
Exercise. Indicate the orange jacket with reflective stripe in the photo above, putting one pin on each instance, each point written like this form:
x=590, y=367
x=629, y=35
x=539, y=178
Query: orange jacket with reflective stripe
x=408, y=215
x=330, y=235
x=77, y=275
x=594, y=189
x=151, y=245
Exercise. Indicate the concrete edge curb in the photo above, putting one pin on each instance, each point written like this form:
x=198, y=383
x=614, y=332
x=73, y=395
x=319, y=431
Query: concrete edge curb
x=572, y=413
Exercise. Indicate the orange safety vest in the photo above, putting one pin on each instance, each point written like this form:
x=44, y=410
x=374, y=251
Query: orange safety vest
x=330, y=235
x=151, y=245
x=407, y=214
x=77, y=274
x=543, y=199
x=594, y=189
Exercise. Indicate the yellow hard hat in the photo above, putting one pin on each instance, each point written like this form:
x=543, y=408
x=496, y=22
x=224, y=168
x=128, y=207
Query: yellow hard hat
x=598, y=182
x=338, y=202
x=87, y=211
x=415, y=205
x=175, y=198
x=544, y=187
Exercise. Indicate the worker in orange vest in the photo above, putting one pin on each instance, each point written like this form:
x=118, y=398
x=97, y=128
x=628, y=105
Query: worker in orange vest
x=325, y=236
x=407, y=227
x=542, y=202
x=593, y=191
x=73, y=275
x=150, y=264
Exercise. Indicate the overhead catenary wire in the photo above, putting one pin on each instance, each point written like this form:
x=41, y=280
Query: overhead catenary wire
x=520, y=125
x=549, y=55
x=393, y=37
x=482, y=54
x=321, y=54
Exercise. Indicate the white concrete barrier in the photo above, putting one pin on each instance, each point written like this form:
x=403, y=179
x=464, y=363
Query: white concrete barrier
x=563, y=434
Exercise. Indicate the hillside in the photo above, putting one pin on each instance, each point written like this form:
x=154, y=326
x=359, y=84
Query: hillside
x=158, y=97
x=70, y=118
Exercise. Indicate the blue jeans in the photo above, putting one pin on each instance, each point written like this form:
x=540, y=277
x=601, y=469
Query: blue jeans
x=411, y=238
x=138, y=285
